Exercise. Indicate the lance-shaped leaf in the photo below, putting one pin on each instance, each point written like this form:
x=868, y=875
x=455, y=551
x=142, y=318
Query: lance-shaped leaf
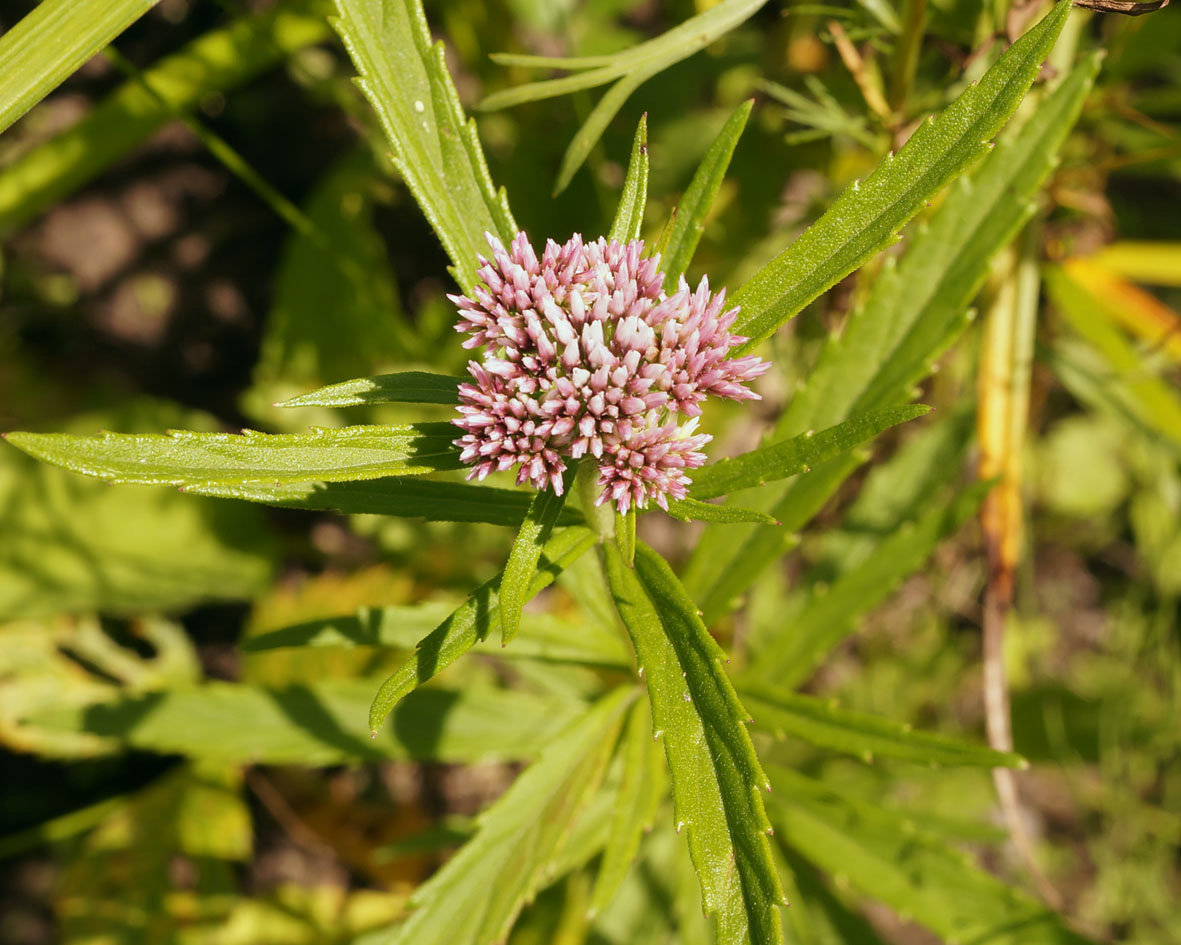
x=436, y=149
x=526, y=551
x=629, y=216
x=797, y=455
x=915, y=310
x=404, y=497
x=822, y=723
x=406, y=387
x=183, y=458
x=475, y=898
x=628, y=69
x=716, y=777
x=894, y=859
x=694, y=510
x=694, y=205
x=469, y=623
x=641, y=786
x=320, y=724
x=214, y=62
x=867, y=216
x=51, y=42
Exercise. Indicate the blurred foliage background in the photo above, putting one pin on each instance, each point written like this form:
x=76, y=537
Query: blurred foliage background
x=206, y=223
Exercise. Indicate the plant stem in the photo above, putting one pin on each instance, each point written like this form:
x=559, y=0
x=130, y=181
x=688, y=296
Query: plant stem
x=906, y=57
x=599, y=518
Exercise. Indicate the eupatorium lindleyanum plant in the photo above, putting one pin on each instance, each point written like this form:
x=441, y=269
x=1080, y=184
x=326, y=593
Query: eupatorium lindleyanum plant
x=592, y=354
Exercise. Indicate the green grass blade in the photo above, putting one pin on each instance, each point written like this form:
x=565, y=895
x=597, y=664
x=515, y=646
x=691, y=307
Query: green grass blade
x=629, y=217
x=867, y=216
x=716, y=778
x=822, y=723
x=52, y=42
x=476, y=897
x=516, y=579
x=183, y=458
x=436, y=149
x=640, y=790
x=320, y=723
x=216, y=62
x=469, y=623
x=699, y=197
x=406, y=387
x=797, y=455
x=403, y=497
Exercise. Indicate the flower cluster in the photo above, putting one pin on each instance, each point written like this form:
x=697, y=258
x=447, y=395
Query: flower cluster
x=584, y=354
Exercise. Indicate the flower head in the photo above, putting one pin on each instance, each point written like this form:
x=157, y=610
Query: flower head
x=584, y=353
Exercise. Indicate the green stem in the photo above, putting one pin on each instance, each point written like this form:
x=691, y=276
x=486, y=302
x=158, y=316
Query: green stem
x=906, y=58
x=599, y=518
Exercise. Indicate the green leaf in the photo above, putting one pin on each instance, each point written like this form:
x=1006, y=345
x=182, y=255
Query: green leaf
x=182, y=457
x=406, y=387
x=404, y=497
x=320, y=724
x=716, y=777
x=628, y=70
x=625, y=534
x=699, y=197
x=544, y=637
x=640, y=790
x=52, y=42
x=915, y=311
x=892, y=858
x=515, y=580
x=629, y=217
x=74, y=545
x=867, y=216
x=792, y=655
x=475, y=898
x=822, y=723
x=797, y=455
x=436, y=148
x=215, y=62
x=693, y=510
x=469, y=623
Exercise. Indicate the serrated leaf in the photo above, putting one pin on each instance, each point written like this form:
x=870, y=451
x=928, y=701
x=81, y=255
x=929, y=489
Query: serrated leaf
x=469, y=623
x=319, y=724
x=913, y=872
x=797, y=455
x=716, y=777
x=217, y=61
x=52, y=42
x=436, y=150
x=405, y=497
x=629, y=216
x=694, y=510
x=406, y=387
x=915, y=311
x=867, y=216
x=475, y=898
x=822, y=723
x=641, y=787
x=182, y=457
x=544, y=637
x=833, y=611
x=694, y=205
x=517, y=576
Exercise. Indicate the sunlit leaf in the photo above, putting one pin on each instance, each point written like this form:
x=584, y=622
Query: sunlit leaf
x=51, y=42
x=517, y=577
x=469, y=623
x=476, y=896
x=406, y=387
x=629, y=216
x=694, y=510
x=183, y=457
x=404, y=75
x=716, y=778
x=867, y=216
